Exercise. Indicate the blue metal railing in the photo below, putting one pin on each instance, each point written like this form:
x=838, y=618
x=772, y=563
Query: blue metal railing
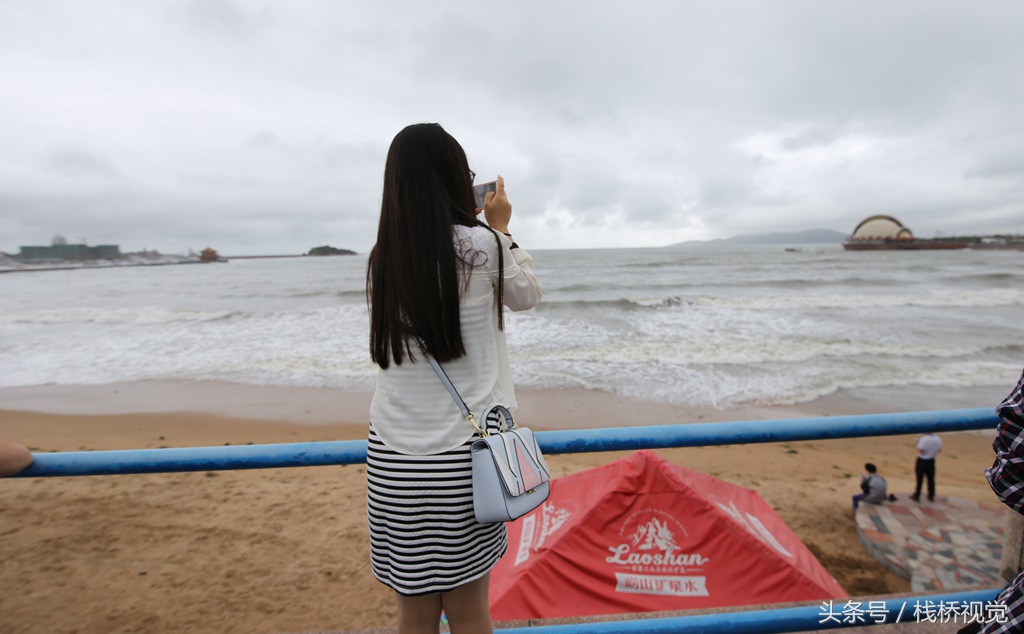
x=314, y=454
x=927, y=608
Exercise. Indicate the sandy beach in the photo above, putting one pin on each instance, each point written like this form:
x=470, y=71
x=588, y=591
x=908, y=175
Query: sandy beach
x=285, y=550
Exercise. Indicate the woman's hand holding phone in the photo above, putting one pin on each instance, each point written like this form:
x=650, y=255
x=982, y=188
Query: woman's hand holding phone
x=497, y=208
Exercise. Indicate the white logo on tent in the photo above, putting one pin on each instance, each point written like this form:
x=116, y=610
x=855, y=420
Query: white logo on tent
x=754, y=527
x=649, y=552
x=654, y=534
x=552, y=518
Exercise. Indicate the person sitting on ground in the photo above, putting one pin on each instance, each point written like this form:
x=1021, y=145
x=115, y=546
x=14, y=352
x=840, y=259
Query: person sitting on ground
x=14, y=457
x=873, y=486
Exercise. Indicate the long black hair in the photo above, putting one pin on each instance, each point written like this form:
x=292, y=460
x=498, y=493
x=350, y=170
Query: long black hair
x=412, y=278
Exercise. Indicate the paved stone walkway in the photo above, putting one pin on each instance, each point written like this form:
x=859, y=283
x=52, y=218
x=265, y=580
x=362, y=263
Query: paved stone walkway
x=948, y=544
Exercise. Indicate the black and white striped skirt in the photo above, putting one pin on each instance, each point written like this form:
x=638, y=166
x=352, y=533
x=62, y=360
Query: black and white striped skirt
x=423, y=535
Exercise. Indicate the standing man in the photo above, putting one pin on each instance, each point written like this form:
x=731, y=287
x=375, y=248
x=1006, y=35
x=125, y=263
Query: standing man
x=928, y=446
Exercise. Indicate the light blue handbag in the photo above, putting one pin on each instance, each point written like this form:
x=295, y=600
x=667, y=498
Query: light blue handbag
x=510, y=476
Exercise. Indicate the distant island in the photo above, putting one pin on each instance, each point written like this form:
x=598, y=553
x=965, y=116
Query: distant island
x=811, y=236
x=326, y=250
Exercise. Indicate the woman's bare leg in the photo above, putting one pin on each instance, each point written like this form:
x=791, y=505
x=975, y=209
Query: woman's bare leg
x=419, y=615
x=467, y=607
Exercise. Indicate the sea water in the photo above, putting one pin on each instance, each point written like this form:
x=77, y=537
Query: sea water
x=721, y=327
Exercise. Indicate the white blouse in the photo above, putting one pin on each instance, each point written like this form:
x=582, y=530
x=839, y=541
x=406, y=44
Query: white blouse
x=411, y=411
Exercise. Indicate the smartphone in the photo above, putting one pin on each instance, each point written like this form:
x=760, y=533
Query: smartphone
x=480, y=191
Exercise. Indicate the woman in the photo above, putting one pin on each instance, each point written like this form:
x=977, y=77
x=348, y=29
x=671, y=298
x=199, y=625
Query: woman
x=437, y=280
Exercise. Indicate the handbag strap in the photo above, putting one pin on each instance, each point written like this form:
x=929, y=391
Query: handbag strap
x=441, y=374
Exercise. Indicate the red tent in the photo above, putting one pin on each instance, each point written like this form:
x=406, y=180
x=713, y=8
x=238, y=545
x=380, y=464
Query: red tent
x=642, y=534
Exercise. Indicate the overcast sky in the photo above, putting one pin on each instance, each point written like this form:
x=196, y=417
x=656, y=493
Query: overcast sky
x=262, y=127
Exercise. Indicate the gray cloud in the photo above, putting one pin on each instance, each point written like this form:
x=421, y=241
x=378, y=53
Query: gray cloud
x=77, y=162
x=262, y=127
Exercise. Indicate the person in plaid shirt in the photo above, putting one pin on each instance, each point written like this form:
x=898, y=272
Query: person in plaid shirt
x=1006, y=477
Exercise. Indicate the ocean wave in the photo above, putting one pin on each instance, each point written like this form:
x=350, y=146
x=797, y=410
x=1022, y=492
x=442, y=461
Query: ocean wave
x=351, y=294
x=325, y=350
x=308, y=294
x=625, y=303
x=787, y=332
x=953, y=376
x=816, y=284
x=1012, y=350
x=966, y=299
x=1004, y=277
x=777, y=383
x=736, y=352
x=114, y=316
x=677, y=263
x=312, y=348
x=656, y=302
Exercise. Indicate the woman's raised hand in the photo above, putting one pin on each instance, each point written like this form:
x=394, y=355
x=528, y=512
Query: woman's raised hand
x=497, y=208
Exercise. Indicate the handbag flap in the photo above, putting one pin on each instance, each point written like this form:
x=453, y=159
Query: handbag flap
x=517, y=458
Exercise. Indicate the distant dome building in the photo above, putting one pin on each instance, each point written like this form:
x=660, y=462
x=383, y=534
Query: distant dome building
x=886, y=233
x=881, y=228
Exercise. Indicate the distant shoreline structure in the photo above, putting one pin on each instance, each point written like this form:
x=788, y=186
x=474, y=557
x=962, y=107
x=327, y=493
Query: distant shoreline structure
x=902, y=244
x=980, y=243
x=61, y=256
x=821, y=237
x=64, y=257
x=10, y=264
x=885, y=233
x=266, y=257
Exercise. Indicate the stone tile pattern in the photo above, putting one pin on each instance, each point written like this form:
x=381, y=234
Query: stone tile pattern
x=948, y=544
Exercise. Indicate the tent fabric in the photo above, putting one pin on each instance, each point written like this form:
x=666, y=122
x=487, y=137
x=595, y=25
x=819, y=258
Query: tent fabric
x=642, y=534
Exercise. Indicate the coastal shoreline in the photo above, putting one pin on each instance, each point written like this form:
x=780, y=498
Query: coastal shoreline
x=538, y=408
x=88, y=266
x=75, y=265
x=286, y=550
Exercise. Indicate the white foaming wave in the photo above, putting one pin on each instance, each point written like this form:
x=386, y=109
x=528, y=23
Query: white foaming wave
x=335, y=375
x=968, y=299
x=325, y=347
x=718, y=356
x=736, y=351
x=656, y=302
x=724, y=357
x=952, y=375
x=767, y=384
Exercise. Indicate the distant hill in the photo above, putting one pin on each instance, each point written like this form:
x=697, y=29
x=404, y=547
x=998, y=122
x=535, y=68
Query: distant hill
x=811, y=236
x=329, y=250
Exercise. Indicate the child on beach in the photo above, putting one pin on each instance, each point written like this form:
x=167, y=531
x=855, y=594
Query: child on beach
x=437, y=281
